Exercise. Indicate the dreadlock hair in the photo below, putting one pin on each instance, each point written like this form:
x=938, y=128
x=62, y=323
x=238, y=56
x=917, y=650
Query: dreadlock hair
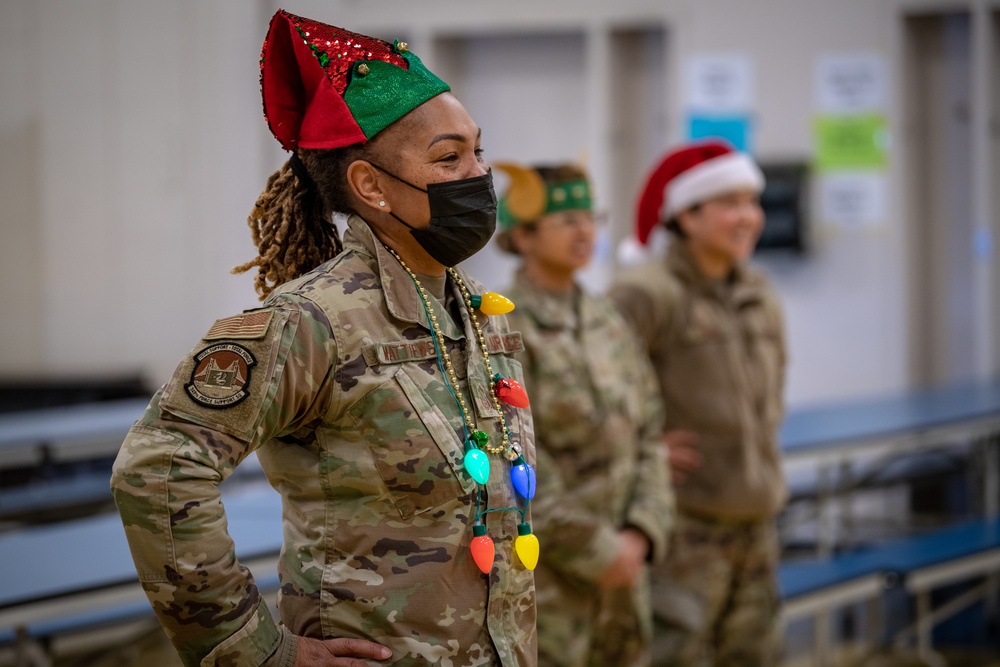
x=292, y=222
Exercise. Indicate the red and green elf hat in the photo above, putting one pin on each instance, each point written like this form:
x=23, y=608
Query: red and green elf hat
x=325, y=87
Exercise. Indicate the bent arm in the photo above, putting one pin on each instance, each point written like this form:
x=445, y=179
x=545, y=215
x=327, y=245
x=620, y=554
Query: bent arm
x=652, y=506
x=166, y=479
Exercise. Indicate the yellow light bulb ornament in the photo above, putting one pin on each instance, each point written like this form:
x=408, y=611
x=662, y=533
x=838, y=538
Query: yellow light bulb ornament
x=491, y=303
x=526, y=546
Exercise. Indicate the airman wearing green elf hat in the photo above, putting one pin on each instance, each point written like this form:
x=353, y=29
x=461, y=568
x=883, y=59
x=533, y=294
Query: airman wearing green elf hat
x=370, y=376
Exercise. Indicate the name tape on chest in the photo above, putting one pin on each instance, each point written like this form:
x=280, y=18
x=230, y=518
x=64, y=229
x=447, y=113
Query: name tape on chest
x=398, y=352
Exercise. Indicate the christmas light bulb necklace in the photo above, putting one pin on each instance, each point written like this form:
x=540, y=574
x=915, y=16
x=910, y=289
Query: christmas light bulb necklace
x=475, y=462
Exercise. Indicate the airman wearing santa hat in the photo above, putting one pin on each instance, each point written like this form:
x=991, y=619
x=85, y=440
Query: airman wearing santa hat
x=713, y=329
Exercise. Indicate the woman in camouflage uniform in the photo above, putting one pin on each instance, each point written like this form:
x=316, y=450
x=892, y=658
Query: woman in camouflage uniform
x=604, y=505
x=712, y=326
x=365, y=384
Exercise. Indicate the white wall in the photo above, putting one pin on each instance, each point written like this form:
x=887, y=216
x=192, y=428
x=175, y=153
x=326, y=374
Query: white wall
x=21, y=252
x=135, y=156
x=133, y=148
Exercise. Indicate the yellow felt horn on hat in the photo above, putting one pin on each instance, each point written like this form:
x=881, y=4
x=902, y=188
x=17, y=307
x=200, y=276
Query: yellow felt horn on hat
x=526, y=195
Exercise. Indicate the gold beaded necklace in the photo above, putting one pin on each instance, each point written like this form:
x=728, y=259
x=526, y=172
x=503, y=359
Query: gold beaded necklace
x=522, y=474
x=509, y=449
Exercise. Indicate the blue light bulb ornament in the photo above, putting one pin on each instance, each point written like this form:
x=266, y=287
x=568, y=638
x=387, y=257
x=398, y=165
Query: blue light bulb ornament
x=476, y=462
x=522, y=476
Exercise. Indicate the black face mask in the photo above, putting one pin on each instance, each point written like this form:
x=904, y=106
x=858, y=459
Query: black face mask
x=463, y=217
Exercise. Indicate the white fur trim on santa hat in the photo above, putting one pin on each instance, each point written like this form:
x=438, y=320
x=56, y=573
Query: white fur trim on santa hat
x=732, y=171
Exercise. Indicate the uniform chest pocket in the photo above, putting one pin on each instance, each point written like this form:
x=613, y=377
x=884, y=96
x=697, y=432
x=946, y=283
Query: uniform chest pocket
x=415, y=449
x=696, y=334
x=703, y=325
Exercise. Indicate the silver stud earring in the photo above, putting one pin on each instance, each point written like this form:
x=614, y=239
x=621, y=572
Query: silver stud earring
x=381, y=203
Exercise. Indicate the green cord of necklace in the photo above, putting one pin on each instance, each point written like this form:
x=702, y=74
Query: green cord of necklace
x=520, y=511
x=448, y=371
x=441, y=350
x=438, y=353
x=467, y=297
x=444, y=374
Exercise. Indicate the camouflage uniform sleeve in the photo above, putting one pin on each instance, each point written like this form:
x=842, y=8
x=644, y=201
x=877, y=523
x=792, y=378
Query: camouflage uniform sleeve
x=652, y=506
x=239, y=388
x=577, y=543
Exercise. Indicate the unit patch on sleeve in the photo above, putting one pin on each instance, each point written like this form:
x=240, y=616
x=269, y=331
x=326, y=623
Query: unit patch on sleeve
x=248, y=326
x=221, y=375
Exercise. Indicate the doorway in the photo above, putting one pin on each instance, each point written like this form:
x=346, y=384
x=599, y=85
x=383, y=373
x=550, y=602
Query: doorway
x=937, y=138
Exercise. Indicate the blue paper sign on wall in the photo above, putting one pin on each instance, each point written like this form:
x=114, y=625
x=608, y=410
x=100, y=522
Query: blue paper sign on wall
x=734, y=129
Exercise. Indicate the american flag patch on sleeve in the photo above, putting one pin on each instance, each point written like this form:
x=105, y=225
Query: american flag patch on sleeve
x=248, y=326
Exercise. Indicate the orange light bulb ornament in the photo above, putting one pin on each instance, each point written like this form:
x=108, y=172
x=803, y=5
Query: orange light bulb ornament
x=491, y=303
x=526, y=546
x=482, y=548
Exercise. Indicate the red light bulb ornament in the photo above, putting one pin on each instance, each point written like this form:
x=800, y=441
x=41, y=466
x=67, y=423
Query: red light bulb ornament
x=482, y=548
x=526, y=546
x=510, y=391
x=491, y=303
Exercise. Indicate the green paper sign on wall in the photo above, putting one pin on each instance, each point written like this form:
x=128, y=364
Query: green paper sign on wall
x=850, y=142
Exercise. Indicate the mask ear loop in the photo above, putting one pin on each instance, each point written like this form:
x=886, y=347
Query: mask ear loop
x=403, y=222
x=389, y=173
x=404, y=182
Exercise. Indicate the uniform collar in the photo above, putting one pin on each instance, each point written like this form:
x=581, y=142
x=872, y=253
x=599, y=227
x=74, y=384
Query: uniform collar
x=743, y=285
x=549, y=309
x=401, y=296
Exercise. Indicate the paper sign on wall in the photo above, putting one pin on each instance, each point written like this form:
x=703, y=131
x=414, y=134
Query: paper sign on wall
x=719, y=83
x=719, y=98
x=850, y=142
x=734, y=129
x=854, y=199
x=850, y=84
x=851, y=138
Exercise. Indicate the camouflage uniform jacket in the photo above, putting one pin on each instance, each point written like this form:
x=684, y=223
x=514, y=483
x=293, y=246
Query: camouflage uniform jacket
x=338, y=389
x=598, y=428
x=719, y=352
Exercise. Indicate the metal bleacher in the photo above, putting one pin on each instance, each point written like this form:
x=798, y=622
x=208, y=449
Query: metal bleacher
x=829, y=443
x=64, y=580
x=63, y=455
x=920, y=563
x=72, y=578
